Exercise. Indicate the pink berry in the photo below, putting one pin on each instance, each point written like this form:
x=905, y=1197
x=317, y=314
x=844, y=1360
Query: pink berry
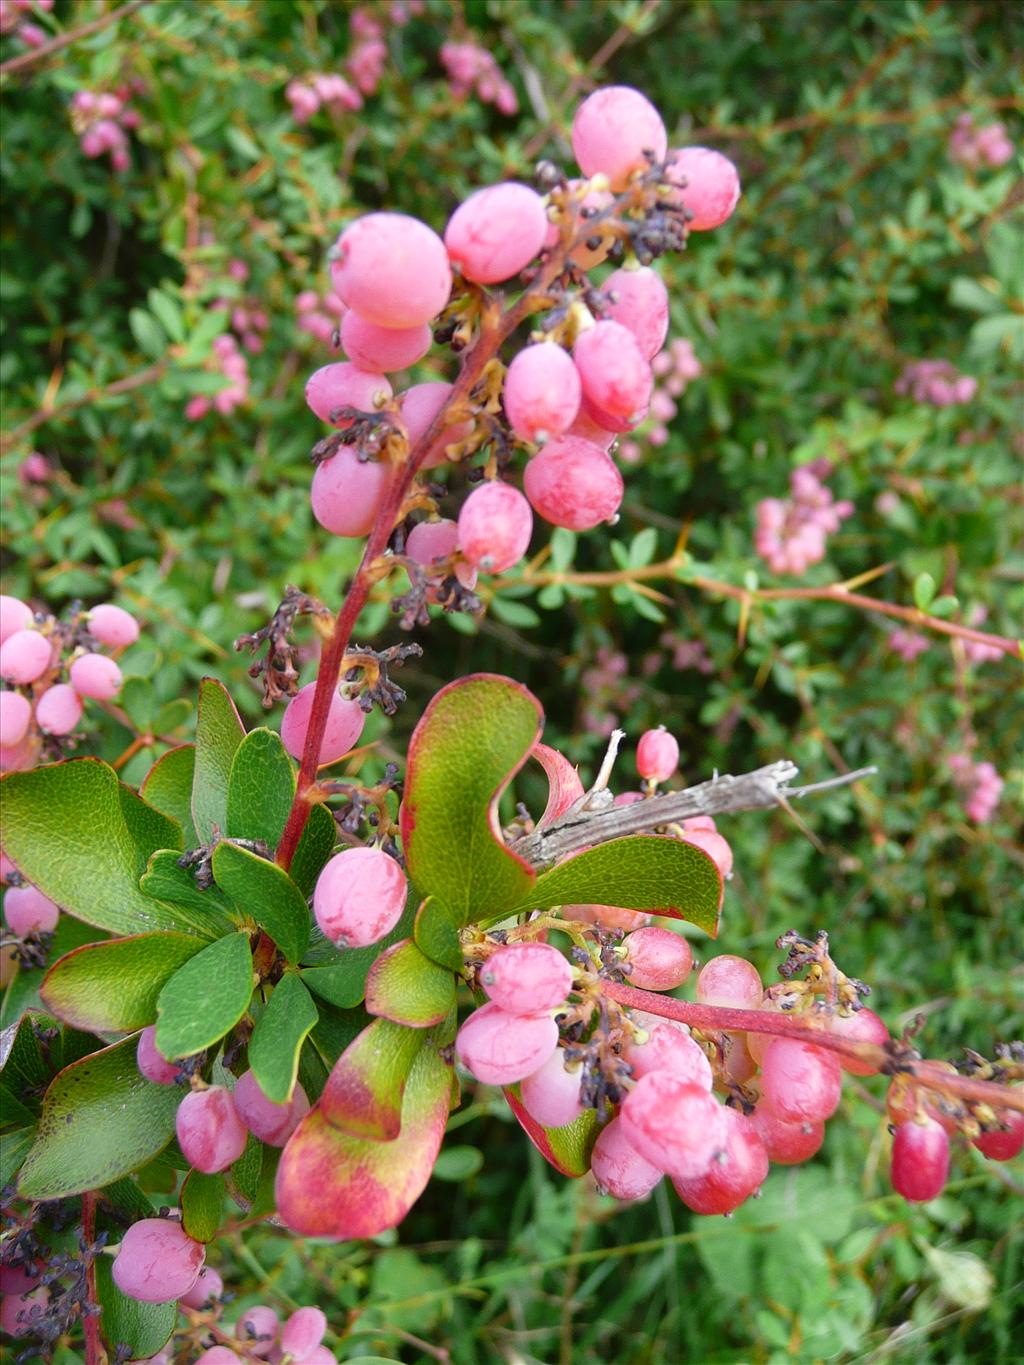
x=800, y=1081
x=736, y=1173
x=496, y=232
x=1003, y=1144
x=208, y=1288
x=527, y=978
x=21, y=1314
x=210, y=1133
x=347, y=493
x=588, y=430
x=257, y=1328
x=542, y=392
x=359, y=897
x=392, y=269
x=218, y=1355
x=674, y=1124
x=551, y=1094
x=14, y=615
x=920, y=1160
x=25, y=656
x=418, y=407
x=495, y=525
x=15, y=715
x=713, y=844
x=302, y=1333
x=657, y=959
x=271, y=1123
x=28, y=911
x=113, y=626
x=709, y=185
x=864, y=1027
x=157, y=1261
x=669, y=1049
x=638, y=300
x=610, y=916
x=657, y=755
x=499, y=1048
x=729, y=980
x=574, y=484
x=429, y=541
x=615, y=374
x=152, y=1064
x=787, y=1143
x=344, y=385
x=58, y=710
x=373, y=347
x=612, y=132
x=96, y=676
x=618, y=1167
x=345, y=721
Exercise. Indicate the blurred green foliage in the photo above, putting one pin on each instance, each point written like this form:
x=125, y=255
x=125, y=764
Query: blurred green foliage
x=858, y=247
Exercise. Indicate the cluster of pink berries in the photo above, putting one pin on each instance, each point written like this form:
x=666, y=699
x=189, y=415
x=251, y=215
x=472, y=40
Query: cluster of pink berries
x=473, y=70
x=103, y=119
x=319, y=316
x=976, y=651
x=792, y=534
x=36, y=653
x=974, y=146
x=674, y=368
x=979, y=784
x=308, y=95
x=606, y=688
x=11, y=19
x=227, y=357
x=936, y=382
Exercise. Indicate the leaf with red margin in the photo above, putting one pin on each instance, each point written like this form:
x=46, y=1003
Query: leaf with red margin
x=363, y=1095
x=332, y=1185
x=567, y=1149
x=470, y=742
x=404, y=986
x=565, y=786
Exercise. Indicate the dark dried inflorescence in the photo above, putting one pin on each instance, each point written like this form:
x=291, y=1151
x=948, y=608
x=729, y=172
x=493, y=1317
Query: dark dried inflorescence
x=822, y=975
x=199, y=860
x=369, y=668
x=279, y=669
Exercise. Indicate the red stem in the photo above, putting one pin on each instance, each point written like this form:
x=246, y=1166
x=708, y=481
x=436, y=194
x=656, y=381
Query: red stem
x=719, y=1017
x=94, y=1352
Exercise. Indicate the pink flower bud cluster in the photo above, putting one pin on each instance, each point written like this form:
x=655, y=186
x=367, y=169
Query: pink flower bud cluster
x=37, y=654
x=473, y=70
x=792, y=534
x=10, y=19
x=368, y=55
x=908, y=644
x=606, y=687
x=309, y=94
x=979, y=784
x=319, y=316
x=229, y=360
x=673, y=369
x=103, y=119
x=973, y=146
x=34, y=469
x=936, y=382
x=975, y=651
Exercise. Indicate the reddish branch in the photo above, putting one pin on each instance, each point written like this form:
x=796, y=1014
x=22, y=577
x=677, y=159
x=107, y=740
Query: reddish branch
x=94, y=1352
x=720, y=1017
x=73, y=35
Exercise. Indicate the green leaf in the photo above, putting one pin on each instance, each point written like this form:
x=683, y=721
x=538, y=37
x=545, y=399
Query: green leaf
x=168, y=787
x=924, y=591
x=458, y=1163
x=341, y=979
x=437, y=934
x=514, y=613
x=315, y=845
x=22, y=993
x=12, y=1111
x=267, y=894
x=211, y=324
x=471, y=740
x=14, y=1148
x=148, y=333
x=404, y=986
x=65, y=827
x=971, y=294
x=260, y=789
x=113, y=987
x=278, y=1037
x=101, y=1119
x=150, y=828
x=219, y=732
x=168, y=881
x=205, y=998
x=168, y=310
x=567, y=1149
x=172, y=716
x=138, y=700
x=363, y=1094
x=21, y=1059
x=202, y=1205
x=640, y=872
x=243, y=1178
x=141, y=1327
x=944, y=606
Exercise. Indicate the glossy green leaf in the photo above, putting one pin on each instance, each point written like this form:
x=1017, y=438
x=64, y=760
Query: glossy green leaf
x=339, y=974
x=65, y=826
x=277, y=1039
x=265, y=893
x=15, y=1146
x=404, y=986
x=471, y=740
x=12, y=1112
x=243, y=1177
x=150, y=828
x=640, y=872
x=101, y=1119
x=141, y=1327
x=168, y=787
x=567, y=1149
x=363, y=1095
x=260, y=789
x=219, y=732
x=437, y=934
x=22, y=993
x=113, y=986
x=202, y=1205
x=21, y=1059
x=168, y=881
x=205, y=998
x=315, y=846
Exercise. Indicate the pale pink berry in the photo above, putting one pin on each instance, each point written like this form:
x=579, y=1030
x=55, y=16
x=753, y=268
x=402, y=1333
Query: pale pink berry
x=14, y=615
x=615, y=374
x=96, y=676
x=302, y=1333
x=271, y=1123
x=344, y=385
x=864, y=1026
x=21, y=1315
x=151, y=1063
x=618, y=1167
x=542, y=392
x=496, y=232
x=15, y=715
x=58, y=710
x=113, y=626
x=669, y=1049
x=551, y=1094
x=657, y=755
x=28, y=911
x=257, y=1328
x=218, y=1355
x=495, y=525
x=24, y=657
x=638, y=300
x=920, y=1160
x=418, y=407
x=729, y=980
x=345, y=721
x=713, y=844
x=499, y=1048
x=527, y=978
x=157, y=1261
x=210, y=1134
x=347, y=493
x=800, y=1081
x=617, y=131
x=574, y=484
x=609, y=916
x=208, y=1288
x=708, y=185
x=373, y=347
x=359, y=897
x=657, y=959
x=392, y=269
x=674, y=1124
